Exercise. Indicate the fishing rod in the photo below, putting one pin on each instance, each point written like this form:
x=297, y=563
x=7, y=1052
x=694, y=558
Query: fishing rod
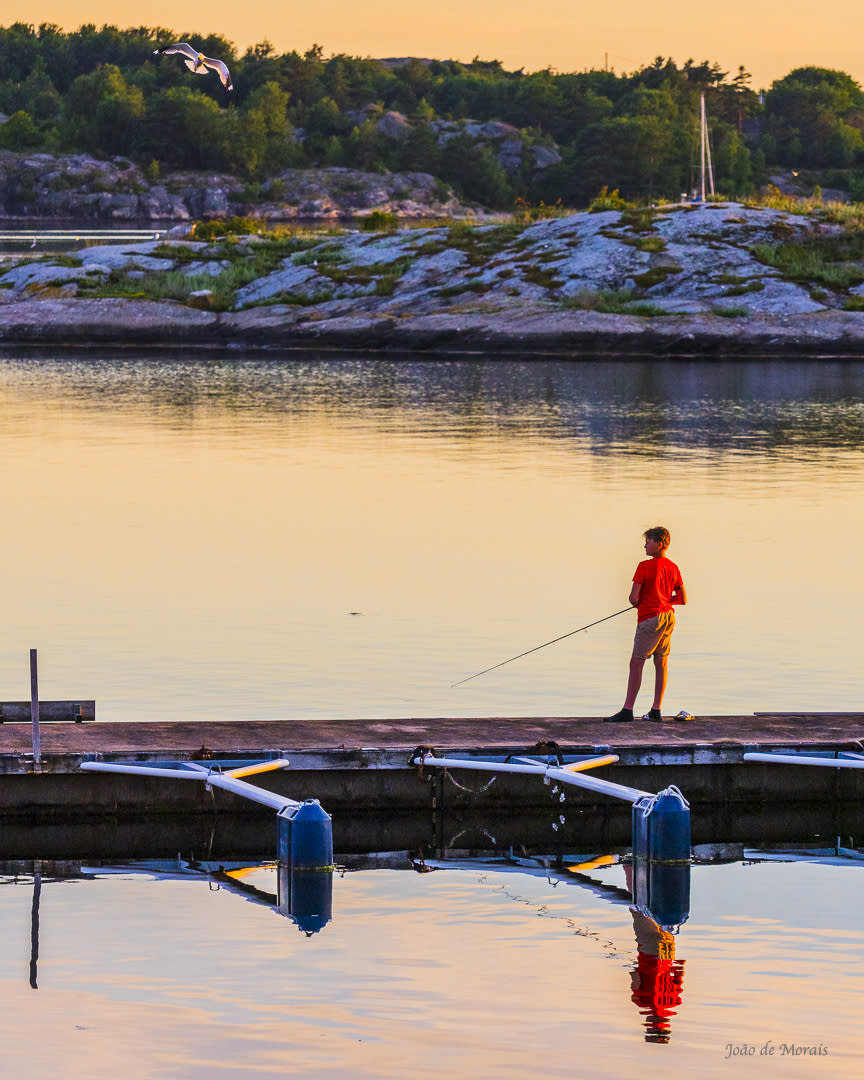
x=596, y=622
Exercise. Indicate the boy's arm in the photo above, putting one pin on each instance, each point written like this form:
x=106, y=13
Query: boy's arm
x=635, y=593
x=679, y=595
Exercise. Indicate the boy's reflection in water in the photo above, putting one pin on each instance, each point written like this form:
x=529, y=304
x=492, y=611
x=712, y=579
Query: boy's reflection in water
x=657, y=979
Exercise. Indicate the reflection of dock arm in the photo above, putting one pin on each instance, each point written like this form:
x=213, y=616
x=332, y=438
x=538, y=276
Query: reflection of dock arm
x=227, y=879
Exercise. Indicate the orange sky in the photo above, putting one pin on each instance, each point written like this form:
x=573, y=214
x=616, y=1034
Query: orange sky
x=769, y=38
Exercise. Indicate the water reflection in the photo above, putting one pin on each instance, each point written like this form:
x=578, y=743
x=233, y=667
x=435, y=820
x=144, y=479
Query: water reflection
x=657, y=980
x=658, y=897
x=632, y=406
x=473, y=943
x=661, y=903
x=198, y=534
x=34, y=929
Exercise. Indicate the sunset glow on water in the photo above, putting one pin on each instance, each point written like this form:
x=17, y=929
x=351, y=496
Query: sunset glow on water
x=304, y=536
x=472, y=971
x=337, y=537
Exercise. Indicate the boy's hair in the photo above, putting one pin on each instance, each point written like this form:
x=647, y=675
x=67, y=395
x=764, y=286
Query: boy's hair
x=659, y=535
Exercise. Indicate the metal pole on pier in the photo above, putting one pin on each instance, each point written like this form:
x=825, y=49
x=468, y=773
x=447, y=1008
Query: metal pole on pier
x=34, y=707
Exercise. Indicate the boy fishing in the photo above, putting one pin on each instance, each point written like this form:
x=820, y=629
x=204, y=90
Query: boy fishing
x=657, y=588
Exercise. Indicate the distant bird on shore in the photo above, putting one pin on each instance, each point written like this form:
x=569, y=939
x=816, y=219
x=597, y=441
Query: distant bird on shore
x=198, y=62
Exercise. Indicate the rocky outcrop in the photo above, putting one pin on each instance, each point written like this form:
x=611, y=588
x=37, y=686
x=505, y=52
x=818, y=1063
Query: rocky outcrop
x=80, y=188
x=516, y=151
x=677, y=279
x=513, y=149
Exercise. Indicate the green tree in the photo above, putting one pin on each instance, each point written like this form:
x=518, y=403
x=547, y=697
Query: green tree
x=20, y=132
x=269, y=128
x=186, y=129
x=474, y=170
x=732, y=165
x=806, y=114
x=103, y=113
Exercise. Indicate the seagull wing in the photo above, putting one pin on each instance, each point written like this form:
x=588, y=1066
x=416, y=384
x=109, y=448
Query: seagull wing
x=221, y=68
x=179, y=47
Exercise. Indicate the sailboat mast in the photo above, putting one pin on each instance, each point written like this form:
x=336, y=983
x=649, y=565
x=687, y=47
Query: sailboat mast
x=704, y=150
x=702, y=146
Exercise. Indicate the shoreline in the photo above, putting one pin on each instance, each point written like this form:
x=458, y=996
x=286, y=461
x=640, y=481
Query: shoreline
x=72, y=322
x=719, y=280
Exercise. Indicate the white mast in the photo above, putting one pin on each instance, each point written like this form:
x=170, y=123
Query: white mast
x=705, y=150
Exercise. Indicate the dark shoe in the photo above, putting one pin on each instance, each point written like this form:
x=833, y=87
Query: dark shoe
x=653, y=714
x=620, y=717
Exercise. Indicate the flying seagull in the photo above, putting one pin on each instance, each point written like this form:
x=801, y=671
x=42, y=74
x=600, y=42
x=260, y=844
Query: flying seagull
x=198, y=62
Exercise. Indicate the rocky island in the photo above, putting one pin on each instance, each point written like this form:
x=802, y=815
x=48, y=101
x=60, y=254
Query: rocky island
x=680, y=279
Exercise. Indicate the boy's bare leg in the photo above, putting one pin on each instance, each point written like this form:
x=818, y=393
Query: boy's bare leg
x=634, y=681
x=661, y=676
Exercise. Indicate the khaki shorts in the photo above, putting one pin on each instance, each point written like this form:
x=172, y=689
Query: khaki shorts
x=654, y=636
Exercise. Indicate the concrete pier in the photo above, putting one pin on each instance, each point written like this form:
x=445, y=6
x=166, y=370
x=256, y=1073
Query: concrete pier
x=353, y=765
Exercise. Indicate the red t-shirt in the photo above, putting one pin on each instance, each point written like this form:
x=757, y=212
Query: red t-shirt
x=659, y=578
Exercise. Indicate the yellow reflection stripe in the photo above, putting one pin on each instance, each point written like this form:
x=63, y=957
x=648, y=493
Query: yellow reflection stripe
x=592, y=864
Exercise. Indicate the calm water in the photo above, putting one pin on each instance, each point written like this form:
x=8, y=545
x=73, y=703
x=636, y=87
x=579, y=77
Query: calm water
x=200, y=538
x=476, y=969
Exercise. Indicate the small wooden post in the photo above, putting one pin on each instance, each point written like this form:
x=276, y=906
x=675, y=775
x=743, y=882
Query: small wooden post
x=34, y=707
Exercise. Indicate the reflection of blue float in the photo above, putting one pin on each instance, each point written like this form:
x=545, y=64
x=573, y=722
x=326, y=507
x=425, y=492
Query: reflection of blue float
x=306, y=896
x=662, y=891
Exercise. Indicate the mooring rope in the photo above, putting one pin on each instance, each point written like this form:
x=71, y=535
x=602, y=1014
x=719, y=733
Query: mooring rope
x=464, y=787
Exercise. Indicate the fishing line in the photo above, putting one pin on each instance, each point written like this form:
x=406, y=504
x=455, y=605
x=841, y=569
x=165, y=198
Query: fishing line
x=543, y=646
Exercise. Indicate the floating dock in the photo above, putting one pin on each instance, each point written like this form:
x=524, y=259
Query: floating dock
x=365, y=765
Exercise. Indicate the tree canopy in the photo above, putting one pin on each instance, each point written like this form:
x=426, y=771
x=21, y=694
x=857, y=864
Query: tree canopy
x=101, y=90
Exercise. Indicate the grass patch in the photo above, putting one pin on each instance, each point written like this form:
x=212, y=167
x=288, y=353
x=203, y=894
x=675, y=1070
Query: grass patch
x=730, y=312
x=468, y=286
x=379, y=221
x=379, y=273
x=174, y=285
x=608, y=200
x=614, y=302
x=854, y=303
x=741, y=290
x=233, y=226
x=525, y=214
x=655, y=276
x=482, y=243
x=324, y=255
x=293, y=299
x=60, y=260
x=831, y=261
x=650, y=243
x=640, y=219
x=644, y=309
x=547, y=279
x=179, y=253
x=386, y=284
